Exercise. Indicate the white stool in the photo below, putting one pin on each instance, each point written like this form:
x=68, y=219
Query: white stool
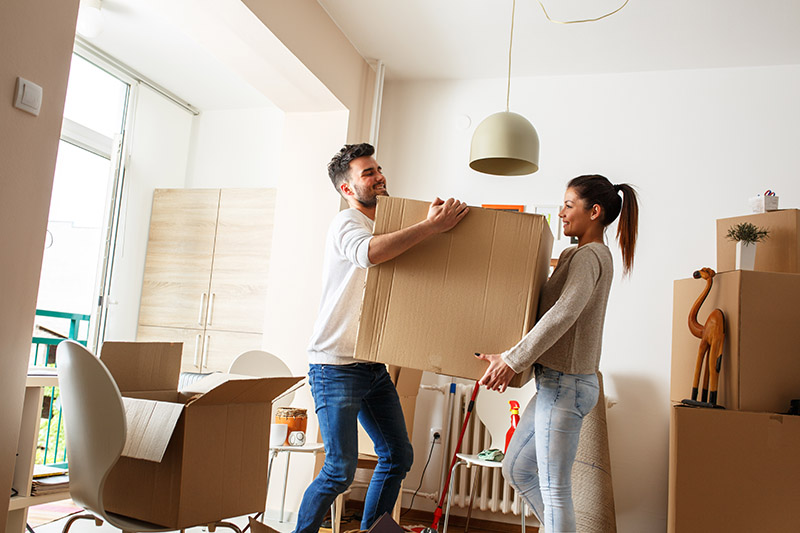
x=311, y=447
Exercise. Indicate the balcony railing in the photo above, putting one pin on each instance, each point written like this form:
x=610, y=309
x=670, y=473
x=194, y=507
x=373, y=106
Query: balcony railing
x=51, y=448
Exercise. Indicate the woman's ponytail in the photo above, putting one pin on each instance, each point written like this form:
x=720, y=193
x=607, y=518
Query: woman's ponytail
x=628, y=227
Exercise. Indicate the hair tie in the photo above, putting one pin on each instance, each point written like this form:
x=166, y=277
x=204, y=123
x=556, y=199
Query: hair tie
x=616, y=188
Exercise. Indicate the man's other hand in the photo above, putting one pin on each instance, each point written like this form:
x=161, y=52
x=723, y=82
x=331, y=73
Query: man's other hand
x=443, y=215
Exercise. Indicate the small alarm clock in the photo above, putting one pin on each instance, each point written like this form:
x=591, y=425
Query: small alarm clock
x=297, y=438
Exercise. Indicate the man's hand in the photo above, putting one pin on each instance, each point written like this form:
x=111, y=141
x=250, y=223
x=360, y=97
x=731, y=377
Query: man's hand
x=444, y=215
x=498, y=375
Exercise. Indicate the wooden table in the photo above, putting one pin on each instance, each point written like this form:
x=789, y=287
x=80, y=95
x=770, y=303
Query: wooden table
x=38, y=379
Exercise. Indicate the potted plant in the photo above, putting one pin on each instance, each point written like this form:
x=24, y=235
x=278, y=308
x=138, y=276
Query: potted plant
x=747, y=235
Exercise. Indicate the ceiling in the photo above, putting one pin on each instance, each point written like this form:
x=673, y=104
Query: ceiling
x=145, y=37
x=468, y=39
x=446, y=39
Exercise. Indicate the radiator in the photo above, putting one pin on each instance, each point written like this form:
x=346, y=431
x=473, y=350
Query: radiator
x=492, y=492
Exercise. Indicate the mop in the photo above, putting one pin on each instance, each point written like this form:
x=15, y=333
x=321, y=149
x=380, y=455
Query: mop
x=437, y=514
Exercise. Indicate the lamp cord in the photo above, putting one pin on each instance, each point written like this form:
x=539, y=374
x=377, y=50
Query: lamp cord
x=511, y=37
x=510, y=43
x=580, y=21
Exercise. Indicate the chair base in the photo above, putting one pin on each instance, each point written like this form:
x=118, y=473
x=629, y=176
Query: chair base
x=470, y=461
x=74, y=518
x=99, y=522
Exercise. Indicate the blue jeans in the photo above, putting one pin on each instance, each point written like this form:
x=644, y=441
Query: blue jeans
x=343, y=396
x=541, y=453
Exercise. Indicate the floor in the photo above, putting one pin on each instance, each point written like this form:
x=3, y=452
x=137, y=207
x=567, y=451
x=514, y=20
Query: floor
x=50, y=518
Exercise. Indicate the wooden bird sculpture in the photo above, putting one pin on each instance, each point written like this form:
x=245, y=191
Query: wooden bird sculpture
x=712, y=337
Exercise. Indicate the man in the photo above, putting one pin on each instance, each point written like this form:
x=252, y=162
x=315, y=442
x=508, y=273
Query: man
x=345, y=390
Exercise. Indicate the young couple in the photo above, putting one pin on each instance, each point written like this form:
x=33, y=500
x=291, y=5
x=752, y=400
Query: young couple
x=564, y=346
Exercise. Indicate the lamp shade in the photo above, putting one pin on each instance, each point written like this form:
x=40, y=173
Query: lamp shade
x=90, y=18
x=505, y=144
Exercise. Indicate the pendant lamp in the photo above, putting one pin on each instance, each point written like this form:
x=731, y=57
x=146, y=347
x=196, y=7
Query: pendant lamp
x=90, y=18
x=505, y=144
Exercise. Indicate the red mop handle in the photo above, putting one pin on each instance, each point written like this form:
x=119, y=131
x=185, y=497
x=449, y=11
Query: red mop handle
x=437, y=515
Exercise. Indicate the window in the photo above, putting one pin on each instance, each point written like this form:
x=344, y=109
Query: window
x=80, y=242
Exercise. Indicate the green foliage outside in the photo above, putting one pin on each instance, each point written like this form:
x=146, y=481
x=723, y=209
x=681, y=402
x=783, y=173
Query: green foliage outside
x=52, y=441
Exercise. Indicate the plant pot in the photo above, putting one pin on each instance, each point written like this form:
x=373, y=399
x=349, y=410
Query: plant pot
x=745, y=255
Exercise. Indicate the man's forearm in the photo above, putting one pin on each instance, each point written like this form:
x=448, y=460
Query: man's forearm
x=385, y=247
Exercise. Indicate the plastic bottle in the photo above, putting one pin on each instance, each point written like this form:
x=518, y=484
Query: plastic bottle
x=514, y=408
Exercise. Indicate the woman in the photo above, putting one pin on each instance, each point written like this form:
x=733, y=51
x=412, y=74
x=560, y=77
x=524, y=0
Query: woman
x=564, y=347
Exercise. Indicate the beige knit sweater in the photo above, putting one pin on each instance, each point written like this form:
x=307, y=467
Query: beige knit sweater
x=572, y=307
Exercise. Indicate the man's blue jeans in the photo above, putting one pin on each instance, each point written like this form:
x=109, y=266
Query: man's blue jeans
x=343, y=396
x=541, y=453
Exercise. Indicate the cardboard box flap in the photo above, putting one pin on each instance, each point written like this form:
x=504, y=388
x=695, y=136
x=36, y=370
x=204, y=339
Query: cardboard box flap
x=150, y=427
x=143, y=366
x=219, y=388
x=260, y=527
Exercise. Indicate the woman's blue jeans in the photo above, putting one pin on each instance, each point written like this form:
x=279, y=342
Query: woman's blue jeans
x=343, y=396
x=541, y=453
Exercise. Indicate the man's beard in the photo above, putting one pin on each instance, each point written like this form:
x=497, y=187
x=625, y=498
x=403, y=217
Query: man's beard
x=369, y=202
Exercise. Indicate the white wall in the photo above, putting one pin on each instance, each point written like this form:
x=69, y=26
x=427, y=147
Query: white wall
x=306, y=203
x=237, y=148
x=697, y=144
x=171, y=148
x=159, y=153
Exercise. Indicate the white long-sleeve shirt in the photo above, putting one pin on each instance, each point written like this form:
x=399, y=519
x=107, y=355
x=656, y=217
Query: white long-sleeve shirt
x=343, y=276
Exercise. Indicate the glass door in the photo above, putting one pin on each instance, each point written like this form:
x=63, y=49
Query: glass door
x=81, y=229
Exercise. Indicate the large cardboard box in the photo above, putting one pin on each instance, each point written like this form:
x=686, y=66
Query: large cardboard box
x=472, y=289
x=733, y=471
x=191, y=457
x=761, y=357
x=779, y=253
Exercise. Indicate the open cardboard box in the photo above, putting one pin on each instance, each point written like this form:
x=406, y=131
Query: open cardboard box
x=472, y=289
x=733, y=471
x=191, y=457
x=760, y=364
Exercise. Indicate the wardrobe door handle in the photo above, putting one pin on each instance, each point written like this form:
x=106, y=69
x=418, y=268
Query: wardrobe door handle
x=202, y=306
x=204, y=363
x=197, y=350
x=211, y=308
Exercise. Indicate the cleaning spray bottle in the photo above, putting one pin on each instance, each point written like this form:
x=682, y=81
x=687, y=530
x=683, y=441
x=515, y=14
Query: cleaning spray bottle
x=514, y=408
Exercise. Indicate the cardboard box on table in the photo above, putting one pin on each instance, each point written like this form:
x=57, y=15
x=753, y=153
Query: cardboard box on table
x=472, y=289
x=778, y=253
x=733, y=471
x=407, y=381
x=761, y=357
x=191, y=457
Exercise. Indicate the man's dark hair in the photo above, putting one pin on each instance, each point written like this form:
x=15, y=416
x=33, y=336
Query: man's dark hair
x=339, y=167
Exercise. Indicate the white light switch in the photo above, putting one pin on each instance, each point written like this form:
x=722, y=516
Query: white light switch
x=28, y=96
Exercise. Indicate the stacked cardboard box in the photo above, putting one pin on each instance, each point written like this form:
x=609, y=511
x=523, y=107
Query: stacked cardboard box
x=736, y=469
x=779, y=253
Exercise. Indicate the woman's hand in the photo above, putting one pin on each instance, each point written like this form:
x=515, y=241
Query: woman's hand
x=498, y=375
